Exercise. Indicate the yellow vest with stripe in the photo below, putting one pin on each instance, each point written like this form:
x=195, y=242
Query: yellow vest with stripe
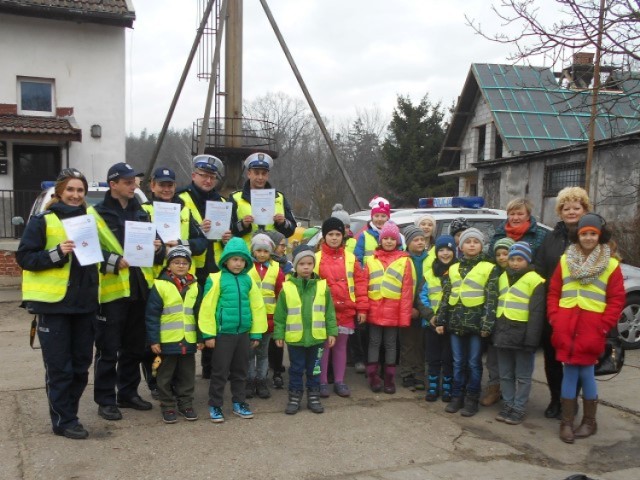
x=49, y=285
x=592, y=296
x=370, y=244
x=349, y=266
x=350, y=245
x=112, y=286
x=178, y=319
x=469, y=290
x=267, y=285
x=199, y=260
x=434, y=289
x=294, y=327
x=387, y=283
x=184, y=235
x=244, y=209
x=513, y=301
x=428, y=262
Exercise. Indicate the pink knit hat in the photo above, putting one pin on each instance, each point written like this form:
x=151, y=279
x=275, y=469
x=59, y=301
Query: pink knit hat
x=380, y=205
x=390, y=229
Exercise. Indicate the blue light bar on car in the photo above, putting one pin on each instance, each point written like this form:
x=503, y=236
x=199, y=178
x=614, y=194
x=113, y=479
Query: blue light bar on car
x=451, y=202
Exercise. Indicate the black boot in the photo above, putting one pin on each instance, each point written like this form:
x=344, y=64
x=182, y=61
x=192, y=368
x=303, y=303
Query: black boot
x=294, y=403
x=470, y=405
x=554, y=410
x=455, y=405
x=313, y=401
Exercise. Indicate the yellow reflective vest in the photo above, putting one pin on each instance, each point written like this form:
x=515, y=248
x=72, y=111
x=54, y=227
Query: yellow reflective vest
x=592, y=296
x=294, y=326
x=349, y=265
x=513, y=301
x=178, y=320
x=350, y=244
x=112, y=286
x=50, y=285
x=267, y=285
x=469, y=290
x=370, y=244
x=244, y=209
x=434, y=289
x=387, y=283
x=199, y=260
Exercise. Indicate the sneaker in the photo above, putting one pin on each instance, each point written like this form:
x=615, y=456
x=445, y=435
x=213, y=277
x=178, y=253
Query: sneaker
x=188, y=413
x=504, y=414
x=360, y=367
x=324, y=390
x=169, y=416
x=242, y=410
x=515, y=417
x=215, y=413
x=341, y=389
x=278, y=382
x=418, y=384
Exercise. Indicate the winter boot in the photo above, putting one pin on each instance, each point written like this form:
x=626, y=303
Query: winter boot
x=375, y=382
x=491, y=395
x=455, y=405
x=566, y=425
x=588, y=426
x=470, y=405
x=389, y=379
x=313, y=401
x=262, y=390
x=294, y=403
x=446, y=389
x=433, y=389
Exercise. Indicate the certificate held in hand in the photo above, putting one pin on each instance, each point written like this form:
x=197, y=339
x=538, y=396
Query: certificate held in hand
x=220, y=215
x=166, y=217
x=138, y=243
x=83, y=232
x=263, y=205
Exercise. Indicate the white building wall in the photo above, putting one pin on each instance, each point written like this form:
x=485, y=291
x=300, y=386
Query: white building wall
x=87, y=62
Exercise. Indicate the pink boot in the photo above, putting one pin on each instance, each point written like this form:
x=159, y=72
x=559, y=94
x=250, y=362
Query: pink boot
x=375, y=382
x=389, y=379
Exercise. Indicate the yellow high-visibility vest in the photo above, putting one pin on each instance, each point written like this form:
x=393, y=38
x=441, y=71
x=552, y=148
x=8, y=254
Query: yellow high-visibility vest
x=349, y=265
x=434, y=289
x=387, y=283
x=49, y=285
x=350, y=245
x=592, y=296
x=293, y=328
x=370, y=244
x=199, y=260
x=244, y=209
x=267, y=285
x=513, y=301
x=469, y=290
x=178, y=319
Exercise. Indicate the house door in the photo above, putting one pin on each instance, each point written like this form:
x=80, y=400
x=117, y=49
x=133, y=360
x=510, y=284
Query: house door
x=491, y=191
x=32, y=164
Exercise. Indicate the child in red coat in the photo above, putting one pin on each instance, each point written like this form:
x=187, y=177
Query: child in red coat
x=585, y=298
x=347, y=282
x=391, y=289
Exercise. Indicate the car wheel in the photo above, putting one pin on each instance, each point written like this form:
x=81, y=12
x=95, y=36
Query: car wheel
x=629, y=322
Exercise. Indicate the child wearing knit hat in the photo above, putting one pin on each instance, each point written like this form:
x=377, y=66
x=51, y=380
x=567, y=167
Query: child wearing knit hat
x=501, y=251
x=368, y=239
x=391, y=289
x=518, y=329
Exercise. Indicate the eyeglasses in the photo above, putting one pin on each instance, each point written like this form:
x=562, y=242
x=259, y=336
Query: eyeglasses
x=180, y=264
x=205, y=176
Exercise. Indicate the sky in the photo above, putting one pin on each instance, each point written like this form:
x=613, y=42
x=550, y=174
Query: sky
x=352, y=54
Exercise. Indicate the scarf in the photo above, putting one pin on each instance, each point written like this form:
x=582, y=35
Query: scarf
x=589, y=268
x=181, y=282
x=518, y=231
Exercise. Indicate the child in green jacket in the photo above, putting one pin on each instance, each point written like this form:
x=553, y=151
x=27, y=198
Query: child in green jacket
x=305, y=317
x=232, y=319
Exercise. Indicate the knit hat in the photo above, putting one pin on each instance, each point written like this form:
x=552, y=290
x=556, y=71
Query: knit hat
x=332, y=224
x=410, y=233
x=275, y=236
x=341, y=214
x=457, y=225
x=179, y=252
x=380, y=205
x=425, y=216
x=505, y=243
x=591, y=222
x=445, y=241
x=260, y=241
x=521, y=249
x=390, y=229
x=300, y=252
x=471, y=233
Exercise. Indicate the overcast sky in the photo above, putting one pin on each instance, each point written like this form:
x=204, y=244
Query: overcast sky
x=353, y=54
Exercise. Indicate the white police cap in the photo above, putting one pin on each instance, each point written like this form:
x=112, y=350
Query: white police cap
x=209, y=163
x=258, y=160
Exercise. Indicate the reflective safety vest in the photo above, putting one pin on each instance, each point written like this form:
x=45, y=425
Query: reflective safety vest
x=470, y=289
x=370, y=244
x=244, y=209
x=199, y=260
x=428, y=262
x=267, y=285
x=513, y=301
x=350, y=245
x=387, y=283
x=49, y=285
x=434, y=289
x=349, y=266
x=592, y=296
x=178, y=320
x=112, y=286
x=184, y=235
x=294, y=326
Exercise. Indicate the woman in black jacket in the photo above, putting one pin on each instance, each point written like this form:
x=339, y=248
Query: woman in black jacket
x=64, y=295
x=571, y=204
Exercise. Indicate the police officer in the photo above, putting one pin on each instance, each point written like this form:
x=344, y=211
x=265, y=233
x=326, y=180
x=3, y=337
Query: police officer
x=257, y=166
x=64, y=295
x=120, y=328
x=207, y=171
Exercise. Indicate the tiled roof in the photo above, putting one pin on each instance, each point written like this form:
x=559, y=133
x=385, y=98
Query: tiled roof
x=114, y=12
x=45, y=126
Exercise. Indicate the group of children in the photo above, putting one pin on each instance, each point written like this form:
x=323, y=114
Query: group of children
x=438, y=298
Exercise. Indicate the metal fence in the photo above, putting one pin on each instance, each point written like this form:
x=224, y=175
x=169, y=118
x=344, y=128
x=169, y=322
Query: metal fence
x=15, y=203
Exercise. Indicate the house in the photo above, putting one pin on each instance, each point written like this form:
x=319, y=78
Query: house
x=62, y=92
x=519, y=131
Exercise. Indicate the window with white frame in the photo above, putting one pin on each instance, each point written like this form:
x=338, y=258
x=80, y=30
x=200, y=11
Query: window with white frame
x=36, y=96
